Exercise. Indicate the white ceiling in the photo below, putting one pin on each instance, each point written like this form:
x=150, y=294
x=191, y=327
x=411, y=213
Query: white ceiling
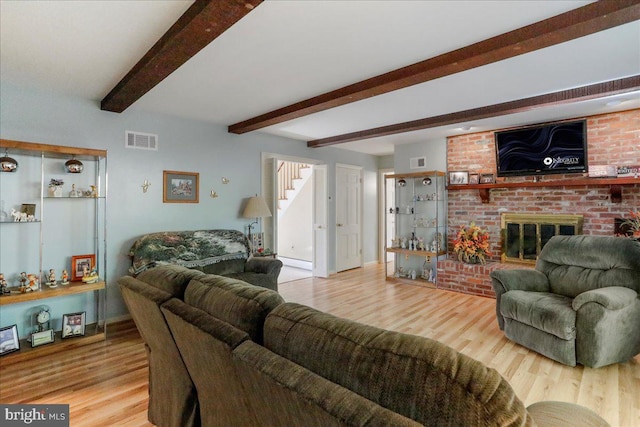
x=287, y=51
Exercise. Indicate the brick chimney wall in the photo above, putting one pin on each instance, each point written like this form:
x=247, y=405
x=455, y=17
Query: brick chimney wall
x=613, y=139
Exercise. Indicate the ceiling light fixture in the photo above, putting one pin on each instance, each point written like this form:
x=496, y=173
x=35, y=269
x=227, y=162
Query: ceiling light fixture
x=73, y=165
x=8, y=164
x=614, y=102
x=465, y=128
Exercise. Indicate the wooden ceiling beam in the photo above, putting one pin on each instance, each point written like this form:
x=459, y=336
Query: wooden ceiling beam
x=203, y=22
x=567, y=26
x=584, y=93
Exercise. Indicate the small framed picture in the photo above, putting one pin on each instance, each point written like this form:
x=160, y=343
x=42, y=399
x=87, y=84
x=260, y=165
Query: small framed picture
x=487, y=178
x=9, y=341
x=80, y=264
x=42, y=338
x=73, y=324
x=28, y=208
x=474, y=178
x=459, y=178
x=180, y=187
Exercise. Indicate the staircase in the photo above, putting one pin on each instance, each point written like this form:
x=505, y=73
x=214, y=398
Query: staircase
x=291, y=177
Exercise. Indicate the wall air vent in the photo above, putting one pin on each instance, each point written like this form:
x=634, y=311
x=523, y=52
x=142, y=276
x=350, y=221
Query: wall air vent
x=417, y=162
x=141, y=141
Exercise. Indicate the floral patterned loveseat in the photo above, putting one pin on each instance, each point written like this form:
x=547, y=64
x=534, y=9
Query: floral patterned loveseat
x=222, y=252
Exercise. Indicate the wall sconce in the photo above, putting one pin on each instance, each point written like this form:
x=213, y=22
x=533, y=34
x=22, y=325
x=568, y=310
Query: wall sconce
x=225, y=180
x=73, y=165
x=145, y=185
x=8, y=164
x=213, y=195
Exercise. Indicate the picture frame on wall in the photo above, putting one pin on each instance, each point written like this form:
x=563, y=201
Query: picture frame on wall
x=180, y=187
x=42, y=338
x=474, y=178
x=73, y=324
x=487, y=178
x=78, y=265
x=9, y=341
x=459, y=177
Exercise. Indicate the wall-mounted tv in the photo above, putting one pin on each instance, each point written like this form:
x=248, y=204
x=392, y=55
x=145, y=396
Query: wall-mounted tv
x=556, y=148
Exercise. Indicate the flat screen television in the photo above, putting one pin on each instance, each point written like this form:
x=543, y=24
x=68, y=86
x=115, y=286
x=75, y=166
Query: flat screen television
x=553, y=148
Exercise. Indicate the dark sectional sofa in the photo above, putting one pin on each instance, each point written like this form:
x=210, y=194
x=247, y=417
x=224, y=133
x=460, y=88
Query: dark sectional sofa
x=223, y=352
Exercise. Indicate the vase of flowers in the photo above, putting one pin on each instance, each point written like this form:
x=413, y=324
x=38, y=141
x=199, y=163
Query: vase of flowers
x=633, y=223
x=472, y=244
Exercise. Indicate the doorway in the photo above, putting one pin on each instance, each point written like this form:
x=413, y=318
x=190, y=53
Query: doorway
x=293, y=188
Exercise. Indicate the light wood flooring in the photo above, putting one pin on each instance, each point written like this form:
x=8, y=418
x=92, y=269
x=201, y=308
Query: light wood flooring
x=106, y=383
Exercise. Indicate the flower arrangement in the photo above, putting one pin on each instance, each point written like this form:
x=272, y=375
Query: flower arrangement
x=472, y=244
x=633, y=223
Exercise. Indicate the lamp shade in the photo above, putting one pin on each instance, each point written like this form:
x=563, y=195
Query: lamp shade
x=256, y=208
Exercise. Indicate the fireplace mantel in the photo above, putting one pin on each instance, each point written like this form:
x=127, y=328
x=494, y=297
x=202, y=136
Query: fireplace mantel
x=484, y=190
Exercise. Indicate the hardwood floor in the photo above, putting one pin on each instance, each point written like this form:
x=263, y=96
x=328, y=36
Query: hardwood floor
x=105, y=383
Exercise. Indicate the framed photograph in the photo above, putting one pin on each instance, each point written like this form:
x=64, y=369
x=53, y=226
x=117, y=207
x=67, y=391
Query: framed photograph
x=78, y=265
x=9, y=341
x=474, y=178
x=73, y=324
x=487, y=178
x=459, y=178
x=28, y=208
x=180, y=187
x=42, y=338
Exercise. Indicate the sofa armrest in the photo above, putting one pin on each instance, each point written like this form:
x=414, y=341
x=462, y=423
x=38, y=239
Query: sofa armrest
x=611, y=298
x=521, y=280
x=264, y=265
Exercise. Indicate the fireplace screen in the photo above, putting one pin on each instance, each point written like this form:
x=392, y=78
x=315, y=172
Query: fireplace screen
x=524, y=236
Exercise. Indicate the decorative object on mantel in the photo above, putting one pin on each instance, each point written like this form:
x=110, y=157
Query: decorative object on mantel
x=8, y=164
x=73, y=165
x=633, y=224
x=628, y=171
x=603, y=171
x=55, y=187
x=472, y=244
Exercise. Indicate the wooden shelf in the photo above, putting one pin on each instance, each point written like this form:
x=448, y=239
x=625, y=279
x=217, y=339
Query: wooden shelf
x=46, y=292
x=415, y=253
x=51, y=149
x=93, y=333
x=615, y=186
x=415, y=175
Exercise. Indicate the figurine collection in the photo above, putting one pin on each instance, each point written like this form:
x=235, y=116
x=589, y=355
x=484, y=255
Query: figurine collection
x=30, y=282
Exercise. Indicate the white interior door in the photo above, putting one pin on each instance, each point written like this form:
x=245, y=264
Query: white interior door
x=320, y=268
x=348, y=217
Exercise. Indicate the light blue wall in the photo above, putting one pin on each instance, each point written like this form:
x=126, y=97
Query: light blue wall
x=184, y=145
x=434, y=151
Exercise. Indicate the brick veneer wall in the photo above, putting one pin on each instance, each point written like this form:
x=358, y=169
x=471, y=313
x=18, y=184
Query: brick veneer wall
x=612, y=139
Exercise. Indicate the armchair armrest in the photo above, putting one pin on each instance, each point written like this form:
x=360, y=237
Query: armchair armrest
x=521, y=280
x=265, y=265
x=611, y=298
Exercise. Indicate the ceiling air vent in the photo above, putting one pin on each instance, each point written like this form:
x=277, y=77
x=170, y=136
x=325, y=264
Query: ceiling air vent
x=141, y=141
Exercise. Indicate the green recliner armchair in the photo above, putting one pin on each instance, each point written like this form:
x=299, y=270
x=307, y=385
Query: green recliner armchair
x=581, y=303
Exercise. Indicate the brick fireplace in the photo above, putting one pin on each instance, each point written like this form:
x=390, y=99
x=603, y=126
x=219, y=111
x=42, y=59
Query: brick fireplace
x=613, y=139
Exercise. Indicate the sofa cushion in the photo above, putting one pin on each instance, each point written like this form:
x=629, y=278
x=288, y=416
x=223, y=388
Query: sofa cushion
x=169, y=278
x=238, y=303
x=419, y=378
x=545, y=311
x=224, y=268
